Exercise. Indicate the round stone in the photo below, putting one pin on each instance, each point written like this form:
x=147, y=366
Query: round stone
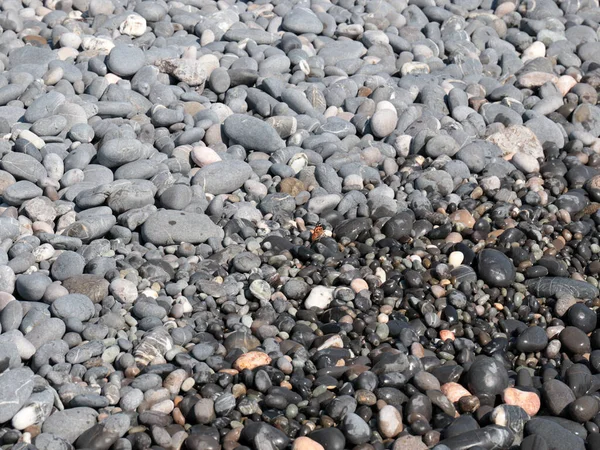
x=495, y=268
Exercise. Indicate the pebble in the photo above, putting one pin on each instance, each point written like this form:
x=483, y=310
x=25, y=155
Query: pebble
x=299, y=225
x=167, y=227
x=495, y=268
x=529, y=401
x=211, y=179
x=555, y=436
x=557, y=396
x=16, y=386
x=319, y=297
x=262, y=138
x=389, y=421
x=487, y=376
x=252, y=360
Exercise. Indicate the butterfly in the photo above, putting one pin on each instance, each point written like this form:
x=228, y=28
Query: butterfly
x=317, y=232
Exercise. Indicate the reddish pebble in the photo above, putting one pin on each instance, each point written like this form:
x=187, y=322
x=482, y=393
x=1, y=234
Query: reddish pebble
x=454, y=391
x=446, y=334
x=306, y=443
x=529, y=401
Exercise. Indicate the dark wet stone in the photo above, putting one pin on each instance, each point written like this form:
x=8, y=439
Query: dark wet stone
x=584, y=408
x=262, y=436
x=533, y=339
x=555, y=436
x=575, y=340
x=551, y=286
x=492, y=436
x=357, y=431
x=329, y=438
x=400, y=225
x=487, y=376
x=556, y=268
x=534, y=442
x=495, y=268
x=352, y=228
x=582, y=317
x=557, y=396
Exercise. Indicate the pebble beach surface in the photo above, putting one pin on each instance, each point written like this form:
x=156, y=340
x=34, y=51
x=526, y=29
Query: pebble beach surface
x=305, y=225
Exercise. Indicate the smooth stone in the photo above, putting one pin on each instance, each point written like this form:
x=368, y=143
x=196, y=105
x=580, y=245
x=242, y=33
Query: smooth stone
x=92, y=286
x=18, y=193
x=32, y=286
x=16, y=385
x=117, y=152
x=582, y=317
x=302, y=20
x=23, y=167
x=584, y=408
x=495, y=268
x=329, y=438
x=383, y=123
x=67, y=265
x=492, y=436
x=408, y=442
x=70, y=423
x=438, y=180
x=552, y=286
x=168, y=227
x=487, y=376
x=252, y=133
x=575, y=340
x=399, y=226
x=389, y=421
x=533, y=339
x=75, y=306
x=211, y=177
x=45, y=331
x=534, y=442
x=529, y=401
x=319, y=297
x=264, y=437
x=357, y=431
x=555, y=436
x=557, y=396
x=125, y=60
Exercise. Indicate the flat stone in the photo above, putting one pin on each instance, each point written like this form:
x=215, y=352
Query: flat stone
x=168, y=227
x=553, y=286
x=252, y=133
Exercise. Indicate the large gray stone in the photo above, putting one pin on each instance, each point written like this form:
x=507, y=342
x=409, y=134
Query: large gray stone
x=168, y=227
x=223, y=177
x=16, y=386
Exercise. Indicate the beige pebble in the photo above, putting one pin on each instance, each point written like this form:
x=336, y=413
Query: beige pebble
x=306, y=443
x=203, y=156
x=134, y=25
x=251, y=360
x=165, y=407
x=358, y=284
x=456, y=258
x=187, y=384
x=408, y=442
x=535, y=50
x=535, y=79
x=389, y=421
x=565, y=84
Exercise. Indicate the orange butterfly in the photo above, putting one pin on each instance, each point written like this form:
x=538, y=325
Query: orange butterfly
x=317, y=232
